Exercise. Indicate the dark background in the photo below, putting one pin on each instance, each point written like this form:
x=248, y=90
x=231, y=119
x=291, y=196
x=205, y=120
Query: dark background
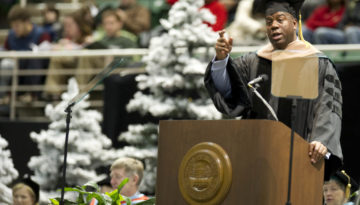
x=119, y=90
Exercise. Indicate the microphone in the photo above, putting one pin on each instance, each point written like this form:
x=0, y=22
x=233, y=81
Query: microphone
x=260, y=79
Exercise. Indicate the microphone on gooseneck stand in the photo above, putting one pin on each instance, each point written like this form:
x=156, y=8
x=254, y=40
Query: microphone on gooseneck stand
x=256, y=81
x=260, y=79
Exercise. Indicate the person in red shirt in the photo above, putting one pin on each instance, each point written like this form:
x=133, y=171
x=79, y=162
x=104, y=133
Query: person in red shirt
x=216, y=8
x=219, y=10
x=324, y=17
x=348, y=30
x=171, y=2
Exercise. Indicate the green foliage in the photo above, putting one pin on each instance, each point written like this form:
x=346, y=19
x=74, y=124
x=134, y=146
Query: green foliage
x=85, y=197
x=151, y=201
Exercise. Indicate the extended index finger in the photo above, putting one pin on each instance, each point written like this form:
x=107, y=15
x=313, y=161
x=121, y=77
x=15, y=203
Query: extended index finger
x=221, y=33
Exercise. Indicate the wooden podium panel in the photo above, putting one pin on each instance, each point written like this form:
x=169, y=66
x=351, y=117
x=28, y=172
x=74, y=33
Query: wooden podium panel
x=259, y=154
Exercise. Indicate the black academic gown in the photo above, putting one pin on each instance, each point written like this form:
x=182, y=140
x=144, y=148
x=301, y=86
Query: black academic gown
x=316, y=120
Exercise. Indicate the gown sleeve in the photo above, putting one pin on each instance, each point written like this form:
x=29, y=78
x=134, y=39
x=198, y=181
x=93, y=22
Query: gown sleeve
x=328, y=114
x=238, y=102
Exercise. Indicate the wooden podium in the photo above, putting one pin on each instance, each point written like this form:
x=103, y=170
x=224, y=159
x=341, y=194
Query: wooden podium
x=259, y=154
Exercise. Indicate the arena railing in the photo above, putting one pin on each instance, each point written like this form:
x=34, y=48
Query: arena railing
x=16, y=72
x=338, y=53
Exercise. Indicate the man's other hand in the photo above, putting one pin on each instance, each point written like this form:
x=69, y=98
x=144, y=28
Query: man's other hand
x=317, y=151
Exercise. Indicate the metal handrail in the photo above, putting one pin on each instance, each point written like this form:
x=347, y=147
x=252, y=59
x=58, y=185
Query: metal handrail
x=144, y=51
x=70, y=71
x=73, y=53
x=16, y=55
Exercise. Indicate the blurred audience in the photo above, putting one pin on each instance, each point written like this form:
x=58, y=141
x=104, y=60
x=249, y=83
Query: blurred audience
x=51, y=22
x=136, y=18
x=248, y=28
x=348, y=30
x=76, y=35
x=23, y=33
x=77, y=32
x=326, y=24
x=216, y=8
x=309, y=6
x=23, y=36
x=350, y=23
x=171, y=2
x=114, y=37
x=323, y=20
x=219, y=10
x=88, y=12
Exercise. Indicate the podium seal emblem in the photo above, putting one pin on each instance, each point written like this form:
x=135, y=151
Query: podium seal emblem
x=205, y=174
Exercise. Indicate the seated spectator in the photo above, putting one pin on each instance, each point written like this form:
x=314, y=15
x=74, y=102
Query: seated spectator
x=171, y=2
x=348, y=30
x=219, y=11
x=88, y=12
x=338, y=188
x=115, y=37
x=136, y=18
x=133, y=169
x=26, y=192
x=248, y=28
x=23, y=36
x=323, y=20
x=216, y=8
x=23, y=33
x=309, y=6
x=51, y=23
x=76, y=35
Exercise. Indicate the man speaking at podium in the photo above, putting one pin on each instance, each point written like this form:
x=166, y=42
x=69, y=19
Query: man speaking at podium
x=317, y=120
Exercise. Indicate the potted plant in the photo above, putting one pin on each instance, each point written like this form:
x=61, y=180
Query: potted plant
x=112, y=198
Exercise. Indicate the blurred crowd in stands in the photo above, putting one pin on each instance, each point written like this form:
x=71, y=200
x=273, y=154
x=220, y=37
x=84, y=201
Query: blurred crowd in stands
x=132, y=23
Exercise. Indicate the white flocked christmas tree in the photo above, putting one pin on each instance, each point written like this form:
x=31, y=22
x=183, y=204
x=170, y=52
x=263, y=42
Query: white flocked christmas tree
x=173, y=86
x=7, y=172
x=88, y=148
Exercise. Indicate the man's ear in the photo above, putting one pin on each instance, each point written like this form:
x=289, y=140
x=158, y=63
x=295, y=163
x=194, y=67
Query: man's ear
x=295, y=23
x=135, y=178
